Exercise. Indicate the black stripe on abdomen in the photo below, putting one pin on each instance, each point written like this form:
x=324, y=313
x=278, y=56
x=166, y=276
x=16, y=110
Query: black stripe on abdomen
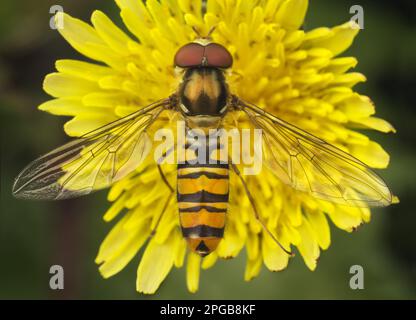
x=210, y=175
x=205, y=165
x=202, y=231
x=202, y=197
x=199, y=208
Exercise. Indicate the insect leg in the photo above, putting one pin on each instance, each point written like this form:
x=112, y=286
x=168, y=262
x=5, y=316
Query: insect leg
x=165, y=180
x=256, y=213
x=172, y=190
x=154, y=230
x=165, y=155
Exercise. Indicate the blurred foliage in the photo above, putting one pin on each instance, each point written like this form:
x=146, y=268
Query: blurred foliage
x=36, y=235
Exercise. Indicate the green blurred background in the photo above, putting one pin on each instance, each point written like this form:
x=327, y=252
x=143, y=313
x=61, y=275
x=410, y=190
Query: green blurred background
x=36, y=235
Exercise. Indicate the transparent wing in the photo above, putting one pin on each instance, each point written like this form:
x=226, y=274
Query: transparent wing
x=92, y=162
x=310, y=164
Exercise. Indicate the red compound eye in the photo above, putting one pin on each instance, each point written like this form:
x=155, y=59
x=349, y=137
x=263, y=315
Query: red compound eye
x=190, y=55
x=218, y=56
x=197, y=55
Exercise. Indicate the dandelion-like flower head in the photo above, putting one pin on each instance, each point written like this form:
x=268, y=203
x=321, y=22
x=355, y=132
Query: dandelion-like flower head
x=297, y=75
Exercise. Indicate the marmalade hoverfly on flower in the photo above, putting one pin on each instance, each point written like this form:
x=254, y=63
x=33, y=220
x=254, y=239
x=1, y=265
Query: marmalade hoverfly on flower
x=203, y=100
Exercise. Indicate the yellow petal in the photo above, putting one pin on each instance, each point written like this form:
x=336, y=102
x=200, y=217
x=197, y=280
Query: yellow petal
x=291, y=13
x=181, y=248
x=83, y=124
x=318, y=34
x=253, y=268
x=274, y=257
x=84, y=70
x=68, y=107
x=83, y=38
x=209, y=261
x=115, y=208
x=131, y=4
x=105, y=99
x=138, y=22
x=293, y=212
x=320, y=228
x=190, y=6
x=110, y=33
x=116, y=190
x=308, y=247
x=232, y=243
x=112, y=240
x=64, y=85
x=192, y=272
x=120, y=246
x=290, y=234
x=366, y=213
x=340, y=39
x=124, y=253
x=252, y=246
x=156, y=263
x=293, y=39
x=371, y=154
x=348, y=79
x=341, y=65
x=376, y=124
x=346, y=218
x=356, y=106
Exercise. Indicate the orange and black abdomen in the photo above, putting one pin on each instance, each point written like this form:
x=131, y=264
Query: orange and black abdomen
x=203, y=200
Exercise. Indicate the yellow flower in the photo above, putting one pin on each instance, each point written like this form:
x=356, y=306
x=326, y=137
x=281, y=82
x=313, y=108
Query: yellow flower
x=296, y=75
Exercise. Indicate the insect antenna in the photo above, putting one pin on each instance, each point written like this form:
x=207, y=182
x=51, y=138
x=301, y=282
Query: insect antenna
x=208, y=36
x=196, y=31
x=211, y=31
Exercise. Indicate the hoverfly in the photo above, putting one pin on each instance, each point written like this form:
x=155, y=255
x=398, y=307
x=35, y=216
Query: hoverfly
x=203, y=100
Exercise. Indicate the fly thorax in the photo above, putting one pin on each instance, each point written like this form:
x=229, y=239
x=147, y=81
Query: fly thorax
x=203, y=92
